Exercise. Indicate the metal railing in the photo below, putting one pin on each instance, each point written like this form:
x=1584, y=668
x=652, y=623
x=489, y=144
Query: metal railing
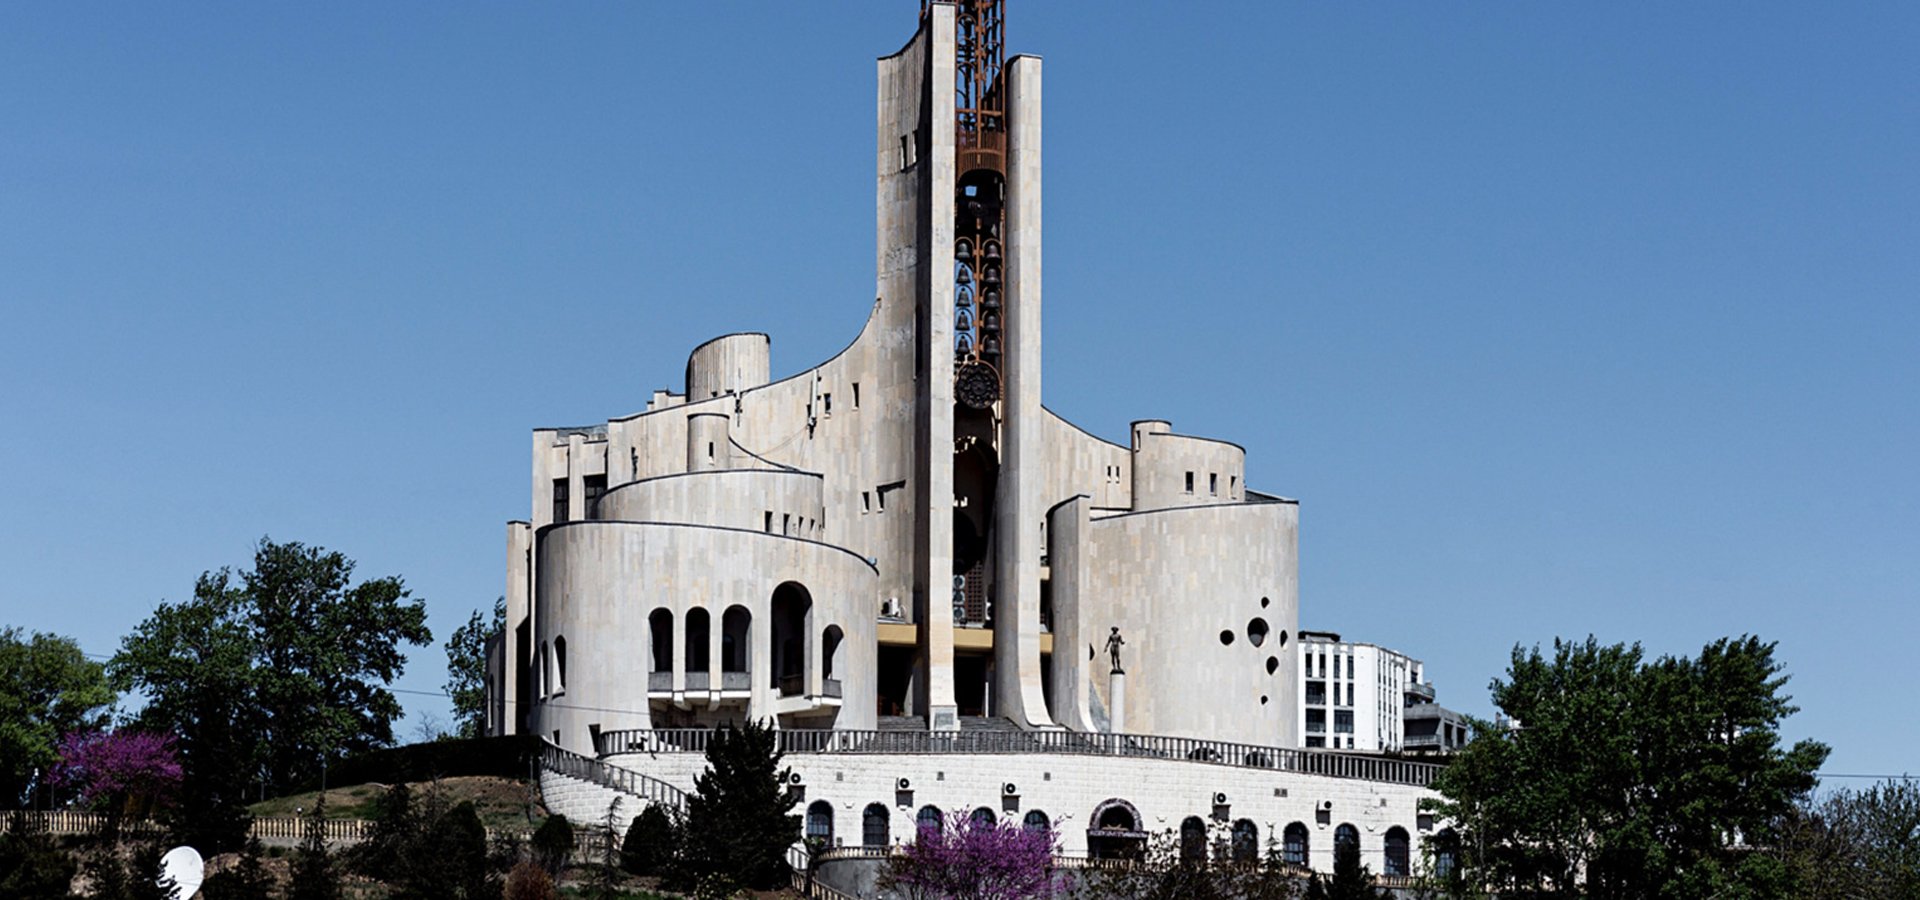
x=573, y=765
x=75, y=822
x=1284, y=759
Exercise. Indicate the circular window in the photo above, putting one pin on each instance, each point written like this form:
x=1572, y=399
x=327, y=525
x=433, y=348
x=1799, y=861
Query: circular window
x=1263, y=602
x=1257, y=631
x=1226, y=637
x=1263, y=699
x=1273, y=664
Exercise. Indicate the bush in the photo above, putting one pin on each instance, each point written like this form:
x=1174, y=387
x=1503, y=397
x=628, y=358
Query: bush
x=528, y=881
x=650, y=842
x=32, y=868
x=247, y=881
x=381, y=855
x=552, y=844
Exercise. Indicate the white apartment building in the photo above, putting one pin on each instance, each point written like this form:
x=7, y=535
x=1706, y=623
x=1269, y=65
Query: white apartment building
x=1364, y=697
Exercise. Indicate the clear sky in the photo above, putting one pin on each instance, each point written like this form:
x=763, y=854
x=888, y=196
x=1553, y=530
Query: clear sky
x=1558, y=318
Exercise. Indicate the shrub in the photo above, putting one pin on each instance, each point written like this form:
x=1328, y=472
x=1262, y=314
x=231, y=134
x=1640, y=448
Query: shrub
x=248, y=880
x=32, y=868
x=739, y=822
x=529, y=881
x=650, y=841
x=552, y=844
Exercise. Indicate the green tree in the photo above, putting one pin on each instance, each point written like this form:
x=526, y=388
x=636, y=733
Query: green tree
x=1628, y=778
x=313, y=876
x=48, y=689
x=467, y=669
x=265, y=674
x=1861, y=844
x=739, y=822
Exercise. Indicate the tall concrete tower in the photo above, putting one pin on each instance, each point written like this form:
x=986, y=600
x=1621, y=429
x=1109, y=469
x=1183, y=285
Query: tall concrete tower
x=959, y=228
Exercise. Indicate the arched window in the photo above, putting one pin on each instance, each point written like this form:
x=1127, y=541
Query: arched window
x=560, y=664
x=829, y=648
x=792, y=609
x=1246, y=841
x=1293, y=845
x=820, y=822
x=1346, y=839
x=736, y=635
x=1446, y=854
x=660, y=625
x=1193, y=840
x=1036, y=821
x=983, y=817
x=930, y=818
x=1396, y=851
x=873, y=826
x=699, y=629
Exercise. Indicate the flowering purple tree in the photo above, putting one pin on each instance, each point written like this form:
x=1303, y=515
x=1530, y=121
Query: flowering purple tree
x=976, y=860
x=119, y=769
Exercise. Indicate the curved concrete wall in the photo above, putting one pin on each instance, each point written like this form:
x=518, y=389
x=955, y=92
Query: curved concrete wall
x=599, y=581
x=1171, y=470
x=1175, y=581
x=775, y=500
x=728, y=365
x=708, y=443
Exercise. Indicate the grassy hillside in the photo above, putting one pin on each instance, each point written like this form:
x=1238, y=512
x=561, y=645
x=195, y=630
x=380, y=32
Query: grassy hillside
x=501, y=802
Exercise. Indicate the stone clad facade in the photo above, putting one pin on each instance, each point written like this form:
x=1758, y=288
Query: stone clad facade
x=903, y=539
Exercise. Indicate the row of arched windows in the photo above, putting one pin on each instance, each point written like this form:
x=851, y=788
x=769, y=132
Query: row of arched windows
x=1244, y=844
x=791, y=608
x=876, y=828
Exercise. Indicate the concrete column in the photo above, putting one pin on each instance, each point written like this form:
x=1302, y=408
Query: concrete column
x=1067, y=554
x=519, y=606
x=1017, y=691
x=933, y=438
x=1117, y=699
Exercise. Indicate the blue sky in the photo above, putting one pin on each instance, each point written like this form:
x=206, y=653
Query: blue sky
x=1558, y=319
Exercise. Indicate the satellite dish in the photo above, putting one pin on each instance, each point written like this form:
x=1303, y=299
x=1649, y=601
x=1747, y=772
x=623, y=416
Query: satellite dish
x=184, y=866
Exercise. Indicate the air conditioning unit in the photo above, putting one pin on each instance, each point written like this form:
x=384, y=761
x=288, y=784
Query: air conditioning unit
x=890, y=608
x=903, y=785
x=1009, y=790
x=1220, y=798
x=1326, y=806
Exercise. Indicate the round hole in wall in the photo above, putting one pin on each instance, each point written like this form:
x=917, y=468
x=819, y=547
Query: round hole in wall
x=1273, y=664
x=1226, y=637
x=1263, y=602
x=1257, y=631
x=1283, y=638
x=1263, y=699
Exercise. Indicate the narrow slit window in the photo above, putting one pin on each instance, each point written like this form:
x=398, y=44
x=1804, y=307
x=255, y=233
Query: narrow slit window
x=866, y=502
x=1213, y=483
x=1189, y=482
x=768, y=525
x=856, y=395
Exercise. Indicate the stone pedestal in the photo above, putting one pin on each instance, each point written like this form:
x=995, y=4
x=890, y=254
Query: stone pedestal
x=1117, y=701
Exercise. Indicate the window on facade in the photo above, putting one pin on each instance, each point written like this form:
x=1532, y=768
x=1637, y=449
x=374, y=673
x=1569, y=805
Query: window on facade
x=1397, y=862
x=1293, y=845
x=596, y=487
x=1246, y=841
x=1036, y=821
x=699, y=631
x=983, y=816
x=1213, y=483
x=560, y=664
x=856, y=395
x=660, y=627
x=1316, y=721
x=1343, y=721
x=1346, y=839
x=930, y=818
x=559, y=499
x=1193, y=840
x=1316, y=742
x=1316, y=693
x=1189, y=482
x=820, y=822
x=873, y=826
x=1349, y=668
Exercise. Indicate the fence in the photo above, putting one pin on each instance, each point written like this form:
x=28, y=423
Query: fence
x=74, y=822
x=1285, y=759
